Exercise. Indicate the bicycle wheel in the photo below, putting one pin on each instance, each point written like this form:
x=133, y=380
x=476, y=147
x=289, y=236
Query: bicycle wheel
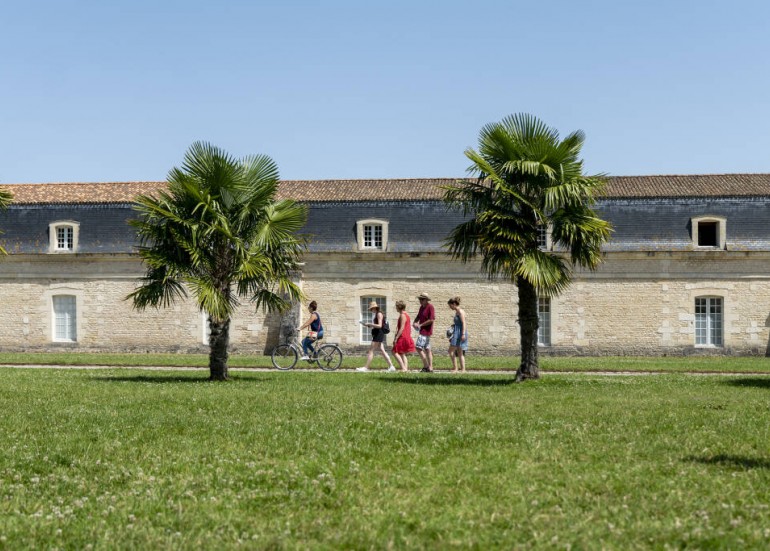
x=284, y=357
x=329, y=357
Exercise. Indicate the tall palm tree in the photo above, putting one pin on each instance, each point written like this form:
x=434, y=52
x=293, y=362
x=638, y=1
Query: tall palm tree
x=527, y=179
x=5, y=199
x=219, y=233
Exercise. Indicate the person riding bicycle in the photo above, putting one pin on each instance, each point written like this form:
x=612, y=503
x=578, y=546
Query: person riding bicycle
x=316, y=331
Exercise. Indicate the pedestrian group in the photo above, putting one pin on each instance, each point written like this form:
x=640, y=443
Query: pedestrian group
x=403, y=344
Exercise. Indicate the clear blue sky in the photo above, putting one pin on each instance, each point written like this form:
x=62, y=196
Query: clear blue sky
x=117, y=90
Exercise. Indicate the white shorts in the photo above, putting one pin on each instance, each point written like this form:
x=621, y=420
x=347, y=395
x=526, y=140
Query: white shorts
x=422, y=342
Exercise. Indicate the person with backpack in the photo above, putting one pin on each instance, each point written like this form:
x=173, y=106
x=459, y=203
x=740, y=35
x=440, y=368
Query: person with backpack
x=315, y=333
x=380, y=327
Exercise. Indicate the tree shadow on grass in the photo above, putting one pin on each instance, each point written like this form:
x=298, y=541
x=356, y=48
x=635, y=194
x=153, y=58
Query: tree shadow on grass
x=449, y=381
x=750, y=382
x=163, y=379
x=735, y=461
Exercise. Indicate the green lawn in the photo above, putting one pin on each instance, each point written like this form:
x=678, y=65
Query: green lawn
x=164, y=459
x=706, y=364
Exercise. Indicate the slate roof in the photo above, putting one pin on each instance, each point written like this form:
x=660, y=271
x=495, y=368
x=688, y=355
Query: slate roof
x=416, y=189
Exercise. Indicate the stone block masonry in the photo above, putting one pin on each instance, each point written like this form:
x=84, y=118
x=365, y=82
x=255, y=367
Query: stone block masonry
x=635, y=304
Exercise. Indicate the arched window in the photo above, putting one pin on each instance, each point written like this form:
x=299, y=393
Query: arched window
x=709, y=321
x=544, y=321
x=709, y=232
x=65, y=318
x=372, y=235
x=63, y=236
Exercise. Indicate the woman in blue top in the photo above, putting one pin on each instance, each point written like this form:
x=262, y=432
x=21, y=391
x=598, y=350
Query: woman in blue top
x=316, y=331
x=458, y=341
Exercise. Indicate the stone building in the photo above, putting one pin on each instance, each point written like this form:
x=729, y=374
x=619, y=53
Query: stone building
x=687, y=270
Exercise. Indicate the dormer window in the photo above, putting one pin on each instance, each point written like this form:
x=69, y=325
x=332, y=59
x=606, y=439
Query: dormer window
x=372, y=235
x=63, y=237
x=543, y=237
x=709, y=232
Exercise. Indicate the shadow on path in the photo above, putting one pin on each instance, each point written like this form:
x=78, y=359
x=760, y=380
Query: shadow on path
x=736, y=461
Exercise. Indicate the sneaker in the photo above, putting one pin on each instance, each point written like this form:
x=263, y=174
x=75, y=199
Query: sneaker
x=305, y=358
x=426, y=370
x=392, y=368
x=362, y=369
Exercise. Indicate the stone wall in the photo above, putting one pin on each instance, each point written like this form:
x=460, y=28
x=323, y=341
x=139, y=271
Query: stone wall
x=105, y=320
x=636, y=304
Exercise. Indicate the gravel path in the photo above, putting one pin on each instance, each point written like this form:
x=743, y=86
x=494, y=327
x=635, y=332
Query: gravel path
x=383, y=371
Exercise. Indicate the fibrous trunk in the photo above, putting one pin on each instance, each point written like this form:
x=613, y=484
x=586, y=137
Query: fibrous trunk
x=528, y=368
x=219, y=342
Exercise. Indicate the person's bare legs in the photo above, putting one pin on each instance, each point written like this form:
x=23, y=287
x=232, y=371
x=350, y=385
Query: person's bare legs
x=385, y=355
x=370, y=353
x=424, y=358
x=430, y=359
x=453, y=357
x=461, y=354
x=401, y=359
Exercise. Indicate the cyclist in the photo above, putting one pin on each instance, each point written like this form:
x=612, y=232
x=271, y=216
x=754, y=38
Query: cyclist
x=315, y=333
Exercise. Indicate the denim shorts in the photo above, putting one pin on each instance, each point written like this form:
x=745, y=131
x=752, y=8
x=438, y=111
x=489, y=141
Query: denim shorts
x=422, y=342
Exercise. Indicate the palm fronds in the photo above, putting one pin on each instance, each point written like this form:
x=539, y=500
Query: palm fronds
x=527, y=177
x=218, y=231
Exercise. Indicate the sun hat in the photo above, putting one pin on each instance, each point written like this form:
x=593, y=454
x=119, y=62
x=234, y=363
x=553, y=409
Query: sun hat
x=423, y=295
x=373, y=304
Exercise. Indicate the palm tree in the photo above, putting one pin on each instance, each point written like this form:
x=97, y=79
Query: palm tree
x=219, y=233
x=527, y=180
x=5, y=199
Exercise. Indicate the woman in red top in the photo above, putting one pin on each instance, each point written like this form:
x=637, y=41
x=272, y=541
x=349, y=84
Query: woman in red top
x=402, y=342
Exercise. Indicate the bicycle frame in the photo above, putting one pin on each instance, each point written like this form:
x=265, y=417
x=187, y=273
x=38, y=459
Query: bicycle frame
x=327, y=355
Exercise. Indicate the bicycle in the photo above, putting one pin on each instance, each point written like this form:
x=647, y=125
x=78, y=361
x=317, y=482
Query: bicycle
x=327, y=356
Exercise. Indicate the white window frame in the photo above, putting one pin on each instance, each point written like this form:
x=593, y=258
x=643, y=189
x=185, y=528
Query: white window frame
x=544, y=321
x=709, y=321
x=721, y=223
x=71, y=245
x=544, y=237
x=368, y=317
x=205, y=328
x=370, y=227
x=64, y=318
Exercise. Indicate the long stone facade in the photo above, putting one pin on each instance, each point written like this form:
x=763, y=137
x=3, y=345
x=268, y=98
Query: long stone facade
x=659, y=290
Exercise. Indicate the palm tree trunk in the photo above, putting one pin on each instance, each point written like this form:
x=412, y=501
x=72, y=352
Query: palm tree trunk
x=528, y=369
x=219, y=342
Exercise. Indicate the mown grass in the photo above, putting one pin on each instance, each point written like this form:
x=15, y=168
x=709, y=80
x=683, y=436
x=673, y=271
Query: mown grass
x=704, y=364
x=146, y=459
